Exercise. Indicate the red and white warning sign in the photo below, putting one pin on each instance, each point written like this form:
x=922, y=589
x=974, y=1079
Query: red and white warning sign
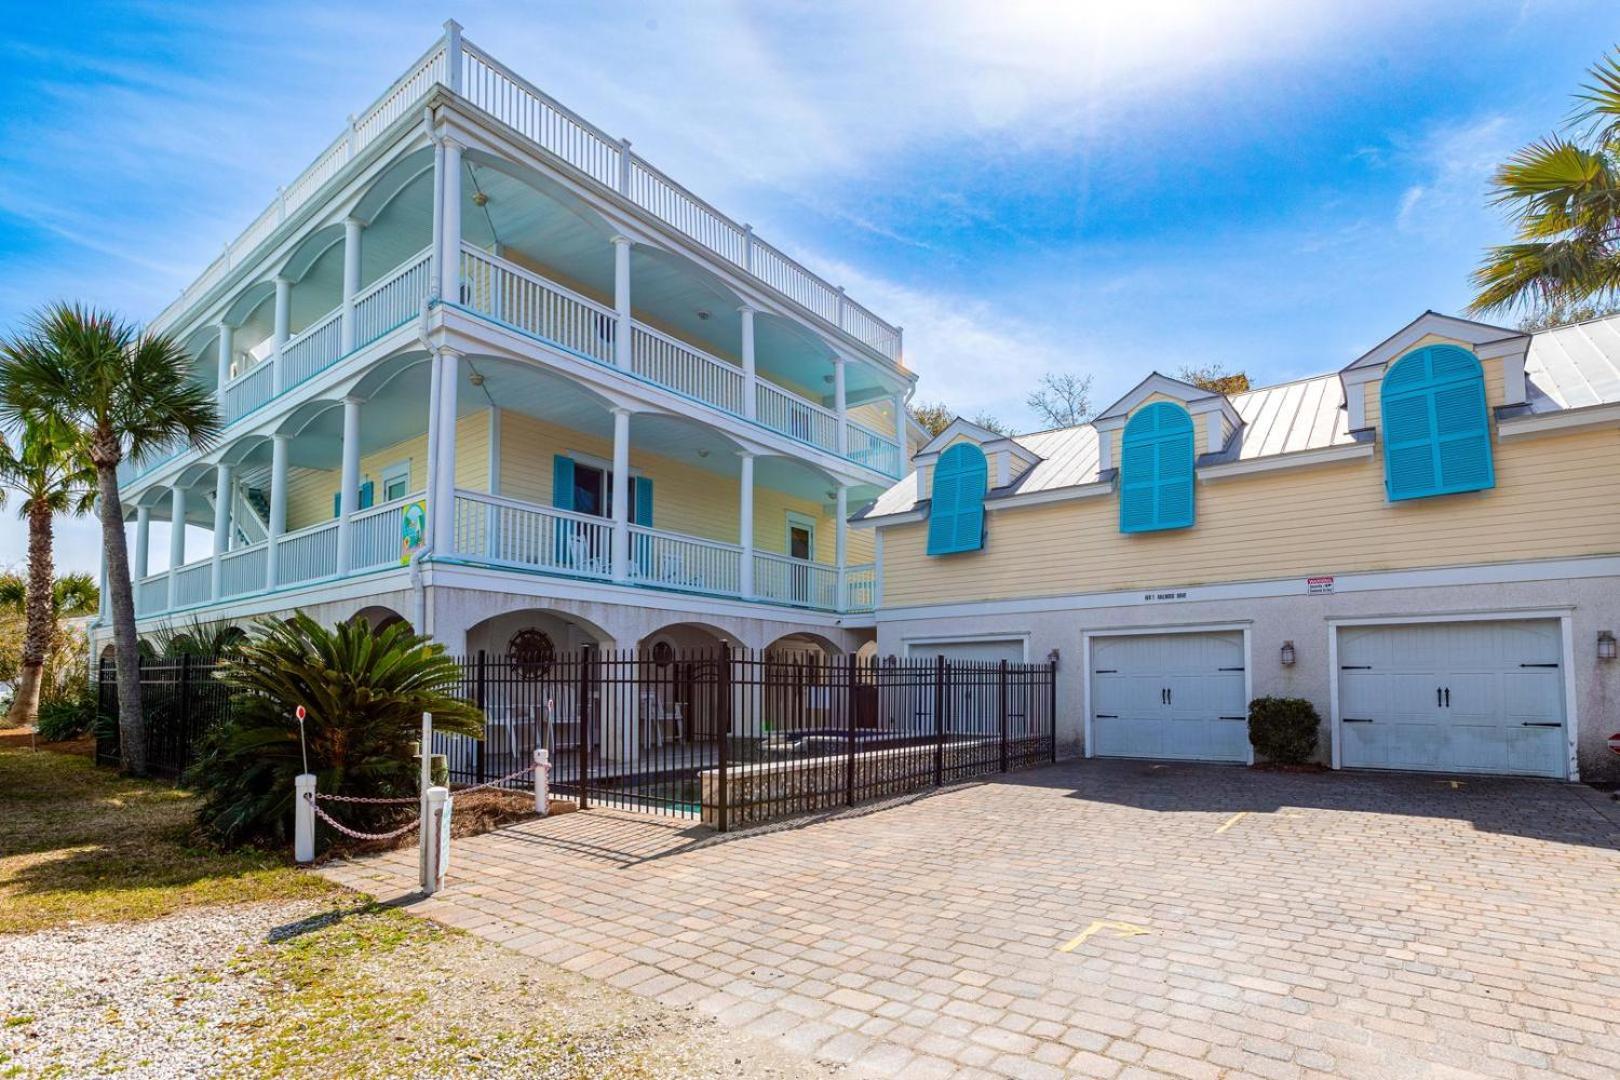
x=1614, y=742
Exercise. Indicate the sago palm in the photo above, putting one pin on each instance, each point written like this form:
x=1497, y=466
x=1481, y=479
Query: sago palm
x=127, y=395
x=1563, y=195
x=364, y=693
x=45, y=464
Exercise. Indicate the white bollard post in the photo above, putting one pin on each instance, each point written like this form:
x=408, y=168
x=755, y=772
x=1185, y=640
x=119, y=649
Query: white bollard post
x=425, y=751
x=542, y=782
x=436, y=827
x=304, y=818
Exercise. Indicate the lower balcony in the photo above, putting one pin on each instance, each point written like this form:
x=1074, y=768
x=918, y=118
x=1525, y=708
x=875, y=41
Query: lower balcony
x=511, y=534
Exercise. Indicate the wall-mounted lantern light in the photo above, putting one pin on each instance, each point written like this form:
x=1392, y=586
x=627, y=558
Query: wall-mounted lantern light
x=1052, y=658
x=1288, y=654
x=1606, y=645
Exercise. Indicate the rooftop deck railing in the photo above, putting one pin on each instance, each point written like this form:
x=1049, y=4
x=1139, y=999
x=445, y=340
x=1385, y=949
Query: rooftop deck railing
x=496, y=90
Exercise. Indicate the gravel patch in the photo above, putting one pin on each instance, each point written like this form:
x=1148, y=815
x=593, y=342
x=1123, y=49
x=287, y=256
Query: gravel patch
x=134, y=999
x=303, y=988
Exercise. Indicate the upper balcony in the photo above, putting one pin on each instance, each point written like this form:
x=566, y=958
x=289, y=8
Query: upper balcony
x=543, y=239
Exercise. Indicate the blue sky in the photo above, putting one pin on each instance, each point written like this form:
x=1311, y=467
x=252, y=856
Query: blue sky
x=1274, y=185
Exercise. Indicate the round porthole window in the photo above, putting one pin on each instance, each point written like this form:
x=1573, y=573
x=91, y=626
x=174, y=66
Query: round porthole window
x=663, y=654
x=531, y=653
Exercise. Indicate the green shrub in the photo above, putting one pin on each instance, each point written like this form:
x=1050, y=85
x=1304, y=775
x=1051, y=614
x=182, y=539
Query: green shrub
x=68, y=715
x=364, y=692
x=1283, y=730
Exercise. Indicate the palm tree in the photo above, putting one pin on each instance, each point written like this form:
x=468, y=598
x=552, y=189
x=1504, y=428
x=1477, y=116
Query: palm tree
x=1563, y=195
x=48, y=468
x=126, y=395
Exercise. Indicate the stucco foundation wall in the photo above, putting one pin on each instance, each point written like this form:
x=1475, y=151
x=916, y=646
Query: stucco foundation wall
x=1593, y=604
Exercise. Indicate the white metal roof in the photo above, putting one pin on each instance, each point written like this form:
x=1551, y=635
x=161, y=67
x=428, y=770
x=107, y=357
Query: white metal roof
x=1572, y=366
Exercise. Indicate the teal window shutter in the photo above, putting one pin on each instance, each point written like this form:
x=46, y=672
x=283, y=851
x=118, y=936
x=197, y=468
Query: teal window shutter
x=368, y=495
x=337, y=503
x=641, y=512
x=956, y=508
x=1436, y=425
x=1156, y=470
x=562, y=482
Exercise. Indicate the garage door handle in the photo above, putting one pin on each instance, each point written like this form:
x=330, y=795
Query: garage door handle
x=1231, y=718
x=1355, y=667
x=1355, y=719
x=1531, y=723
x=1539, y=665
x=1107, y=716
x=1107, y=671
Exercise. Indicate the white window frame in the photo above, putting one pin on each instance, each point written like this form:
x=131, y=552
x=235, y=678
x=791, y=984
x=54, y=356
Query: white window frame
x=398, y=470
x=797, y=520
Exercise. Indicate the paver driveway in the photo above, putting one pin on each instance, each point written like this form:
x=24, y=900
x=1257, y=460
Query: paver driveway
x=1345, y=924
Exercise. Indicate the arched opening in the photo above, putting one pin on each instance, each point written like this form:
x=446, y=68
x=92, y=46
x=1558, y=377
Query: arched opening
x=380, y=618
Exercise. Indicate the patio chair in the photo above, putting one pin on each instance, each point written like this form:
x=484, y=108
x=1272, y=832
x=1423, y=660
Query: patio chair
x=660, y=717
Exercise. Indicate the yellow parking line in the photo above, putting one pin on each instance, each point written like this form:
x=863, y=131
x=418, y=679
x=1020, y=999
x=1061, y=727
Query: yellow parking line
x=1231, y=821
x=1123, y=929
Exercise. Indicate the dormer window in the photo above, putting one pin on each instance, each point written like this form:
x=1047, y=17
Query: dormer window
x=956, y=512
x=1436, y=426
x=1156, y=470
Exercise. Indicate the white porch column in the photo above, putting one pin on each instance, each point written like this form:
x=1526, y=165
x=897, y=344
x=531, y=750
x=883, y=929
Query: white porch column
x=349, y=491
x=227, y=345
x=283, y=331
x=278, y=510
x=621, y=494
x=143, y=541
x=442, y=504
x=621, y=302
x=841, y=405
x=450, y=223
x=841, y=544
x=750, y=375
x=351, y=280
x=900, y=425
x=222, y=528
x=177, y=541
x=745, y=523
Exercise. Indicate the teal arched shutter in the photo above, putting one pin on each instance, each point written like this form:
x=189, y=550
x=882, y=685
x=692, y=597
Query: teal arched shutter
x=1156, y=470
x=1436, y=425
x=562, y=497
x=956, y=509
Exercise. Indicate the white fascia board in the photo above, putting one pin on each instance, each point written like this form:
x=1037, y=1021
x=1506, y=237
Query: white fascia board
x=988, y=441
x=1196, y=399
x=905, y=517
x=1591, y=566
x=1300, y=459
x=1589, y=416
x=1477, y=334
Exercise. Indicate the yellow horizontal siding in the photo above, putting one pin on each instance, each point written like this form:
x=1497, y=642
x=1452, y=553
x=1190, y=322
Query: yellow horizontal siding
x=1556, y=496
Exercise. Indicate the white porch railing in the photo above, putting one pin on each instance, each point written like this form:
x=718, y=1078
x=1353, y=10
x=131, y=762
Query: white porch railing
x=510, y=294
x=194, y=584
x=129, y=470
x=392, y=301
x=242, y=571
x=307, y=554
x=315, y=349
x=510, y=98
x=860, y=587
x=794, y=581
x=875, y=451
x=513, y=533
x=374, y=537
x=661, y=359
x=672, y=561
x=784, y=411
x=248, y=391
x=152, y=594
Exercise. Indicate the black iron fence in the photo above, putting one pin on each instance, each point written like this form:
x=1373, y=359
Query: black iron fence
x=736, y=738
x=180, y=699
x=730, y=738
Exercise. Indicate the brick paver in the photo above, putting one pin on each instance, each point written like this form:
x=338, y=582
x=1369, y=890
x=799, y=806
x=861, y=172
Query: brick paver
x=1357, y=925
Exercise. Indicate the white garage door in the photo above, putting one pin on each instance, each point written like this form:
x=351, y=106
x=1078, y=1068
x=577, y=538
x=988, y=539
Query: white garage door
x=986, y=651
x=1453, y=697
x=1170, y=696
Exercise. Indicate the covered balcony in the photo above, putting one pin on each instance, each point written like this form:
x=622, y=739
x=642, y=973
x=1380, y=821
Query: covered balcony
x=550, y=479
x=518, y=248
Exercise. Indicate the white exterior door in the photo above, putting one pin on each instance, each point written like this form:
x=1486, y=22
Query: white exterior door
x=1453, y=697
x=1178, y=696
